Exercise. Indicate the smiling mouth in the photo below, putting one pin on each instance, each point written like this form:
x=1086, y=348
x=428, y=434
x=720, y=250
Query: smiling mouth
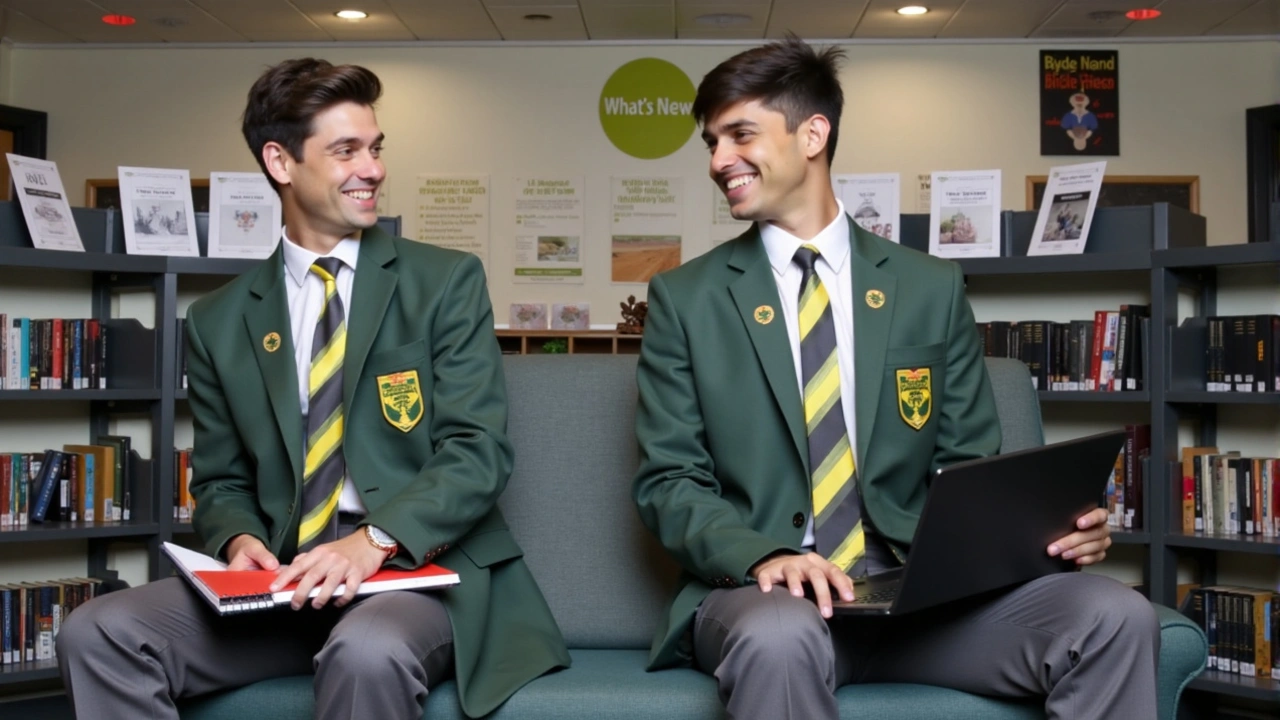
x=359, y=194
x=739, y=181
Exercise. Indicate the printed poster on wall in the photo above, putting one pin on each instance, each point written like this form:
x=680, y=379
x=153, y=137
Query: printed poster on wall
x=549, y=229
x=1079, y=102
x=453, y=212
x=872, y=201
x=724, y=226
x=964, y=220
x=647, y=226
x=244, y=215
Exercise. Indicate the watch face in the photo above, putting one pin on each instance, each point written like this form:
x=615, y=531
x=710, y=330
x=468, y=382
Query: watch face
x=379, y=536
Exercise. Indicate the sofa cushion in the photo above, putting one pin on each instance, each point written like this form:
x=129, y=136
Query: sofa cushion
x=572, y=425
x=613, y=683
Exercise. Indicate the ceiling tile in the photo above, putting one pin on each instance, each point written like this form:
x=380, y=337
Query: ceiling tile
x=531, y=3
x=881, y=20
x=1087, y=18
x=701, y=33
x=745, y=19
x=623, y=3
x=449, y=20
x=998, y=18
x=20, y=28
x=382, y=24
x=630, y=22
x=265, y=20
x=1185, y=18
x=1261, y=18
x=565, y=22
x=177, y=21
x=82, y=20
x=816, y=18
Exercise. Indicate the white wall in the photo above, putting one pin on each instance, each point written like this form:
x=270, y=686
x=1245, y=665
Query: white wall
x=532, y=109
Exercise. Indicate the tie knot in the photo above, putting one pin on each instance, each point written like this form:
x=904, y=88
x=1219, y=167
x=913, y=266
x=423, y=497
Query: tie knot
x=326, y=268
x=806, y=256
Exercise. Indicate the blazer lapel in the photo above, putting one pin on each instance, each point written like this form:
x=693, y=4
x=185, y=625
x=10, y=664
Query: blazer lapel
x=370, y=295
x=871, y=329
x=755, y=291
x=271, y=337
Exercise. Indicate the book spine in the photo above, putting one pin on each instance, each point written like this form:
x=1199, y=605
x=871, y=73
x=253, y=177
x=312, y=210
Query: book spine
x=103, y=370
x=50, y=477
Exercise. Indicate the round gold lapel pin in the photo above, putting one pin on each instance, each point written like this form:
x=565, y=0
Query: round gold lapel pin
x=271, y=341
x=875, y=299
x=764, y=314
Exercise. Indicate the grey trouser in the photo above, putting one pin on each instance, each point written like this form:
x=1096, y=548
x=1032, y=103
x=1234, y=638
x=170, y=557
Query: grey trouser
x=131, y=653
x=1085, y=642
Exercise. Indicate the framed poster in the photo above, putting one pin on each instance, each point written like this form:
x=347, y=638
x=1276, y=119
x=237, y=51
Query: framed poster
x=102, y=193
x=1119, y=190
x=1079, y=102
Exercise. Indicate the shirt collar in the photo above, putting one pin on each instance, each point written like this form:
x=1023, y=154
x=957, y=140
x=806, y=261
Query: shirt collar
x=832, y=243
x=298, y=260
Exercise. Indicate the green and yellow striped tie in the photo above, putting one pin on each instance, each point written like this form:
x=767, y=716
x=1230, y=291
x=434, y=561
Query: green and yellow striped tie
x=325, y=466
x=837, y=510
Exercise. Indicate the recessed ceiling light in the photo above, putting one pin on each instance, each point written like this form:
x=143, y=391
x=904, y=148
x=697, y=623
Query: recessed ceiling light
x=537, y=17
x=723, y=20
x=119, y=20
x=913, y=10
x=1143, y=14
x=352, y=14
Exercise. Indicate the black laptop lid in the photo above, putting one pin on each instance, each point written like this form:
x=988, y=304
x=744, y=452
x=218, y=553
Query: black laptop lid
x=987, y=522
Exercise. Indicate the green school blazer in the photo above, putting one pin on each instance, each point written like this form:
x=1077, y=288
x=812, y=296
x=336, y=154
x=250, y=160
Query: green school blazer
x=415, y=308
x=723, y=477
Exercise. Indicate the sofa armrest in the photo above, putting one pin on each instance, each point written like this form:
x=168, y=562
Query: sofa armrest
x=1184, y=652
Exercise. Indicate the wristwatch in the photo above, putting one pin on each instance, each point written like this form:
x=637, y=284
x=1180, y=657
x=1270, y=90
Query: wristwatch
x=378, y=538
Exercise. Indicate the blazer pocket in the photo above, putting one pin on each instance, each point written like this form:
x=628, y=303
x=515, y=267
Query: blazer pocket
x=396, y=359
x=490, y=548
x=915, y=356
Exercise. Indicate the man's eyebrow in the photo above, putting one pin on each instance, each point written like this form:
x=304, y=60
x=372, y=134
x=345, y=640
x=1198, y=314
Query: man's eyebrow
x=708, y=135
x=353, y=141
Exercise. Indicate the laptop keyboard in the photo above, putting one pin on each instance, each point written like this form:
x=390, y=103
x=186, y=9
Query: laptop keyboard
x=879, y=596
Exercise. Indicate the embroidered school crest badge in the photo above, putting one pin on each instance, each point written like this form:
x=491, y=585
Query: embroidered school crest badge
x=401, y=399
x=915, y=396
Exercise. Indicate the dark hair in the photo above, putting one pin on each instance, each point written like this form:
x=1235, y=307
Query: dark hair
x=787, y=76
x=285, y=100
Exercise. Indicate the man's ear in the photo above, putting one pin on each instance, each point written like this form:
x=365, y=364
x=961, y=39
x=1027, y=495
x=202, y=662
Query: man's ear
x=816, y=131
x=279, y=162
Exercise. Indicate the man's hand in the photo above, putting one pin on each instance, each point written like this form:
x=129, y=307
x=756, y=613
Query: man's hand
x=796, y=570
x=248, y=553
x=347, y=561
x=1088, y=545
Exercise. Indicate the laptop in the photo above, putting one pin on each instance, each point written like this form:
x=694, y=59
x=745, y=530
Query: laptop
x=987, y=523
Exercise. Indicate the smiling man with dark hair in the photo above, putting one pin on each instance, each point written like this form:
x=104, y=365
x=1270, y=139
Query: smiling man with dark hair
x=798, y=385
x=350, y=413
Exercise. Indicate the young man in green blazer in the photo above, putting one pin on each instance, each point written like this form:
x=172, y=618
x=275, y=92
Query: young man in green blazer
x=797, y=386
x=350, y=413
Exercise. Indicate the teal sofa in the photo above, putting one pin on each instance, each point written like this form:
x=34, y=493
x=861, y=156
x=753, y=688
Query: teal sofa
x=606, y=579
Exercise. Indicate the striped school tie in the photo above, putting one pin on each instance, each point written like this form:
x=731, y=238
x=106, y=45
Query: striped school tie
x=325, y=466
x=837, y=511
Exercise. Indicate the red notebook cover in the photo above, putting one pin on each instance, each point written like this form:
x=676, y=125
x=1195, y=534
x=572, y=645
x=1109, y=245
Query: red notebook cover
x=251, y=583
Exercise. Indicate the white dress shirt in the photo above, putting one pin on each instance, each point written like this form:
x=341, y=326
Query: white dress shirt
x=833, y=268
x=306, y=300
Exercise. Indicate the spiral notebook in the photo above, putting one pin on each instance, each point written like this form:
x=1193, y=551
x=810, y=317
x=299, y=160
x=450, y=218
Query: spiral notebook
x=238, y=591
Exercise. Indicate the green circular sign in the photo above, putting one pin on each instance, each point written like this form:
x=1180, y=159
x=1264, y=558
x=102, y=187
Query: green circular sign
x=646, y=108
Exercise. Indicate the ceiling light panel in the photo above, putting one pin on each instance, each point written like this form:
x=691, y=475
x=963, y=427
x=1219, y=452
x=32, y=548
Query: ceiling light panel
x=881, y=19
